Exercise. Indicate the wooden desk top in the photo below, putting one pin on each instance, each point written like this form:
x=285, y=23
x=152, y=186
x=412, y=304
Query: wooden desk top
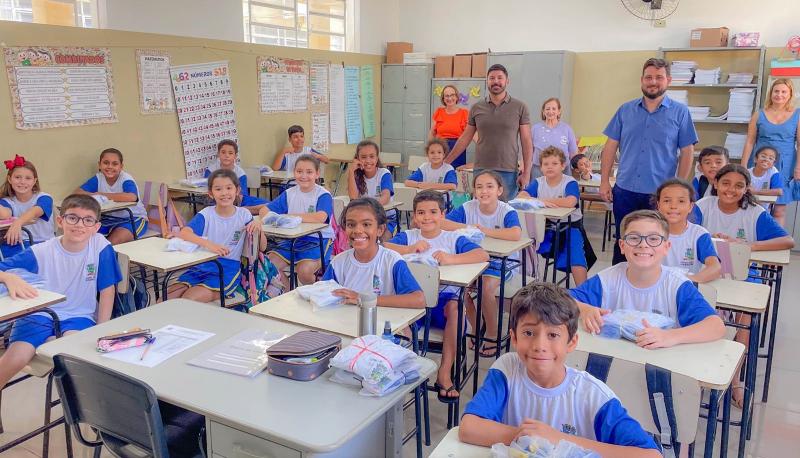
x=462, y=274
x=293, y=233
x=151, y=252
x=503, y=248
x=11, y=309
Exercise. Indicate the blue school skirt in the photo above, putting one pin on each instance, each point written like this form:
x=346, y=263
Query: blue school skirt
x=207, y=275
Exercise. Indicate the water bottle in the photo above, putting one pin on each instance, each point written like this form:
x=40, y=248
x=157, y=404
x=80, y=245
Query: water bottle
x=367, y=314
x=387, y=332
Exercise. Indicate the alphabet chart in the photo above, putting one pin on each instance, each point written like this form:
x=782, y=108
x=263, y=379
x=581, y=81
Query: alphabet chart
x=204, y=101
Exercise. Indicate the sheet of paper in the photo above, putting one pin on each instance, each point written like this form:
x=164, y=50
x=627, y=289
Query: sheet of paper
x=170, y=340
x=243, y=354
x=319, y=129
x=337, y=105
x=319, y=83
x=352, y=104
x=368, y=100
x=155, y=87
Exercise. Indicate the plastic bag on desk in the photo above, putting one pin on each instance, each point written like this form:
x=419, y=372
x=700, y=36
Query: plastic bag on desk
x=381, y=364
x=626, y=323
x=178, y=244
x=320, y=294
x=421, y=258
x=101, y=199
x=29, y=277
x=536, y=447
x=472, y=233
x=282, y=221
x=526, y=204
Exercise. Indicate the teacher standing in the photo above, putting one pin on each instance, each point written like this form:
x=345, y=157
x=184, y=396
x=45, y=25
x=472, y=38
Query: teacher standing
x=552, y=132
x=655, y=137
x=502, y=123
x=449, y=122
x=777, y=126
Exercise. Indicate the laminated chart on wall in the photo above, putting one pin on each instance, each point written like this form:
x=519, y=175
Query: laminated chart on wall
x=204, y=102
x=60, y=87
x=352, y=104
x=155, y=85
x=319, y=83
x=368, y=100
x=283, y=85
x=319, y=131
x=337, y=105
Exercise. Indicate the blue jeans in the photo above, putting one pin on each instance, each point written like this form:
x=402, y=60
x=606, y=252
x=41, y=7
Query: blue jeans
x=510, y=188
x=626, y=202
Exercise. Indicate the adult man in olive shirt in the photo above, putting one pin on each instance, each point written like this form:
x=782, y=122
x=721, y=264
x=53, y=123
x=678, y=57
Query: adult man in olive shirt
x=502, y=123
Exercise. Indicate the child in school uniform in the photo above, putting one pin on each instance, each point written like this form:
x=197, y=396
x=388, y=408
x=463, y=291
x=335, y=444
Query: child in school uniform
x=81, y=265
x=643, y=283
x=691, y=248
x=119, y=186
x=582, y=168
x=285, y=159
x=227, y=154
x=766, y=180
x=368, y=266
x=22, y=198
x=447, y=248
x=434, y=174
x=220, y=229
x=733, y=214
x=532, y=392
x=495, y=218
x=556, y=189
x=313, y=204
x=709, y=161
x=368, y=178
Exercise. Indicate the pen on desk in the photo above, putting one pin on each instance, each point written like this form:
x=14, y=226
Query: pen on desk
x=147, y=346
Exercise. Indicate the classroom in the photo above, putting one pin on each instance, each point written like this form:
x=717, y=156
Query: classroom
x=406, y=228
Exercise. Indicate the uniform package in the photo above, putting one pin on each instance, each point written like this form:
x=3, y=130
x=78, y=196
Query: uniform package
x=526, y=204
x=536, y=447
x=282, y=221
x=320, y=294
x=626, y=323
x=472, y=233
x=382, y=365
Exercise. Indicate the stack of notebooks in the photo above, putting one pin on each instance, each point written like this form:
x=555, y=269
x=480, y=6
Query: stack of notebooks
x=735, y=144
x=740, y=78
x=682, y=71
x=680, y=96
x=740, y=104
x=706, y=76
x=699, y=113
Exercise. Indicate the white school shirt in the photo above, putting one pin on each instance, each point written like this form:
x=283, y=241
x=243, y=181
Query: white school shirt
x=118, y=187
x=690, y=249
x=431, y=175
x=213, y=166
x=375, y=184
x=299, y=202
x=740, y=225
x=497, y=220
x=542, y=190
x=223, y=231
x=290, y=158
x=42, y=229
x=78, y=276
x=764, y=181
x=375, y=276
x=446, y=242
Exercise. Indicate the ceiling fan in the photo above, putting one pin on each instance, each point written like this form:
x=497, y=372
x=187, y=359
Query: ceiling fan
x=650, y=10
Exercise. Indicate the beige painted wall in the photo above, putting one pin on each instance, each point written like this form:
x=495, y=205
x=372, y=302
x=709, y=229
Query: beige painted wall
x=67, y=156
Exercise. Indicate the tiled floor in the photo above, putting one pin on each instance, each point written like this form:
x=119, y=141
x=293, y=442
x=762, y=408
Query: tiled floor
x=776, y=428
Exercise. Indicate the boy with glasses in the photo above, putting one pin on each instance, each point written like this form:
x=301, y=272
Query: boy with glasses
x=81, y=265
x=643, y=283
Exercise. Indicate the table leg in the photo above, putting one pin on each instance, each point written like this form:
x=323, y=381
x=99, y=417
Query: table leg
x=726, y=423
x=459, y=359
x=321, y=253
x=555, y=251
x=342, y=166
x=28, y=233
x=292, y=281
x=766, y=275
x=749, y=381
x=772, y=328
x=221, y=283
x=711, y=424
x=569, y=251
x=164, y=282
x=477, y=330
x=133, y=223
x=500, y=303
x=394, y=431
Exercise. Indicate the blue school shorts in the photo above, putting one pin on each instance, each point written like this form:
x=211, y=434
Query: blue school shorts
x=36, y=329
x=303, y=252
x=109, y=223
x=577, y=256
x=207, y=275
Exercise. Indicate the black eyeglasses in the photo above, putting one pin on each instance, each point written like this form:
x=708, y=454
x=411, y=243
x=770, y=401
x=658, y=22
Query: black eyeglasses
x=652, y=240
x=73, y=219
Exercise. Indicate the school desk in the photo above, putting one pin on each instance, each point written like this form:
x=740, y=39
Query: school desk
x=557, y=214
x=393, y=205
x=502, y=250
x=5, y=225
x=276, y=180
x=292, y=235
x=712, y=364
x=13, y=309
x=152, y=253
x=452, y=447
x=259, y=416
x=194, y=195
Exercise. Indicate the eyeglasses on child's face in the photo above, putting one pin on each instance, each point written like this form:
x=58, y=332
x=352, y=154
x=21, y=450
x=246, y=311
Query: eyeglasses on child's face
x=652, y=240
x=73, y=219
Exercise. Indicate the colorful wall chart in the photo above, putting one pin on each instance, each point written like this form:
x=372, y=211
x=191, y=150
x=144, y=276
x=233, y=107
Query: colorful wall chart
x=368, y=100
x=60, y=87
x=352, y=104
x=155, y=86
x=204, y=100
x=283, y=84
x=337, y=105
x=319, y=83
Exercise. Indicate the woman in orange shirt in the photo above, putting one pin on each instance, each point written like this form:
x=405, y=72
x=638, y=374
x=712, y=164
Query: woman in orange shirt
x=449, y=122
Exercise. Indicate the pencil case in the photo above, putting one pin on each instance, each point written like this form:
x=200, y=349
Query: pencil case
x=122, y=341
x=303, y=356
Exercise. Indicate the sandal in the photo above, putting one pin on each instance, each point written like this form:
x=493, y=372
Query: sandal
x=488, y=351
x=738, y=403
x=445, y=398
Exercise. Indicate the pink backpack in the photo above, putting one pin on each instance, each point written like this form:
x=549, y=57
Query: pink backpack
x=340, y=242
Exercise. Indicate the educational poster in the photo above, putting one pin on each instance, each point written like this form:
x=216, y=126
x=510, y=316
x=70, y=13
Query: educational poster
x=319, y=83
x=155, y=86
x=352, y=104
x=60, y=87
x=204, y=102
x=368, y=100
x=283, y=84
x=337, y=105
x=319, y=131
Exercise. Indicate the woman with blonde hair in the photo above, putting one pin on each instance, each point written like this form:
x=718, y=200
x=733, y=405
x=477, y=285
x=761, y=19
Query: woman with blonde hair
x=449, y=121
x=552, y=132
x=777, y=126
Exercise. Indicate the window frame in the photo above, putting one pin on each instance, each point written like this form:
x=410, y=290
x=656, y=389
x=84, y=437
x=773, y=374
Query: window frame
x=301, y=36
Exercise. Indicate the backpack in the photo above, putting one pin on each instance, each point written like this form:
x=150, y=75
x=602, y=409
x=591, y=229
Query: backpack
x=135, y=299
x=260, y=281
x=340, y=242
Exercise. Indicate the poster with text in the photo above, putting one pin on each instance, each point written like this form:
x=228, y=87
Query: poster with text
x=283, y=85
x=352, y=105
x=204, y=101
x=60, y=87
x=337, y=105
x=319, y=83
x=155, y=86
x=368, y=100
x=319, y=131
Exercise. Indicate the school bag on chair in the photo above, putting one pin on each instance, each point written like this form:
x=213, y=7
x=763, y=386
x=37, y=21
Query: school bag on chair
x=130, y=294
x=260, y=281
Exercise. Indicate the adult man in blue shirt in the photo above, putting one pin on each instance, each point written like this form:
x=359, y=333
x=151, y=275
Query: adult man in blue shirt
x=648, y=132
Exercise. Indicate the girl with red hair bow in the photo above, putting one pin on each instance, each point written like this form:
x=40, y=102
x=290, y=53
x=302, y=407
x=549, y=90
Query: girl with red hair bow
x=22, y=198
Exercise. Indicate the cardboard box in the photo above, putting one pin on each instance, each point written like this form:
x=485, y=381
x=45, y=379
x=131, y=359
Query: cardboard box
x=709, y=38
x=443, y=67
x=462, y=66
x=479, y=64
x=395, y=50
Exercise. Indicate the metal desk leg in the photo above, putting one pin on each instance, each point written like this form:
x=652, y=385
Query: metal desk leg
x=749, y=381
x=726, y=423
x=478, y=317
x=772, y=328
x=569, y=251
x=452, y=409
x=164, y=282
x=555, y=251
x=28, y=233
x=500, y=304
x=321, y=253
x=342, y=167
x=292, y=281
x=711, y=424
x=221, y=284
x=133, y=222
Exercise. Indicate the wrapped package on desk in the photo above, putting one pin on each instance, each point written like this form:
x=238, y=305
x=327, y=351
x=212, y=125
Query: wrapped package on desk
x=379, y=365
x=536, y=447
x=320, y=294
x=472, y=233
x=526, y=204
x=282, y=221
x=421, y=258
x=626, y=323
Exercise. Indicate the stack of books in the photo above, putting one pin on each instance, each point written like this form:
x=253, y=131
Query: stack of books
x=699, y=113
x=682, y=71
x=735, y=144
x=740, y=104
x=706, y=76
x=740, y=78
x=679, y=96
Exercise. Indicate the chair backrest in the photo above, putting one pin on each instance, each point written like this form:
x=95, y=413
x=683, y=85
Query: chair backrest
x=414, y=161
x=734, y=258
x=428, y=279
x=151, y=191
x=339, y=202
x=628, y=381
x=124, y=268
x=119, y=407
x=390, y=157
x=253, y=176
x=406, y=196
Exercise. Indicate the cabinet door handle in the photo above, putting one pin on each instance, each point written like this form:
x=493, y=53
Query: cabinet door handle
x=239, y=451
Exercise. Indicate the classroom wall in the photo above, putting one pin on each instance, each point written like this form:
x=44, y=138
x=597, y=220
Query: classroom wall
x=67, y=156
x=453, y=26
x=377, y=22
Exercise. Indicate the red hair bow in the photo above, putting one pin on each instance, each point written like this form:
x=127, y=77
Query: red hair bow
x=18, y=161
